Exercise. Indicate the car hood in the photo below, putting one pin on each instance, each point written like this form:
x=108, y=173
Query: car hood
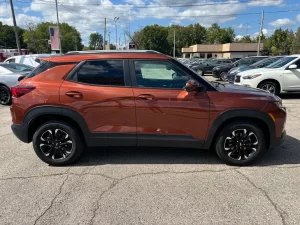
x=257, y=71
x=223, y=67
x=239, y=89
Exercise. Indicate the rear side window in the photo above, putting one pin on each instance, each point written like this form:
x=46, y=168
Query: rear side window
x=45, y=65
x=102, y=72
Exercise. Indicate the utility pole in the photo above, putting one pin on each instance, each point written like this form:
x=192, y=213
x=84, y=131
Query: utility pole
x=104, y=34
x=125, y=41
x=59, y=36
x=15, y=27
x=174, y=45
x=120, y=42
x=109, y=39
x=116, y=19
x=260, y=32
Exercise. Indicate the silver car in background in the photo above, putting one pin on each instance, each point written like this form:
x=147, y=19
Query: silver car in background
x=10, y=74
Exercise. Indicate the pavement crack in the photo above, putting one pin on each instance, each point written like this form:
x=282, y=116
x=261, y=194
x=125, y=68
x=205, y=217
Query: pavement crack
x=113, y=184
x=265, y=193
x=54, y=198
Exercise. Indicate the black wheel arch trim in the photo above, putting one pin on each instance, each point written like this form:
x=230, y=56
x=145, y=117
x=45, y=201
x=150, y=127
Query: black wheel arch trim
x=243, y=114
x=57, y=110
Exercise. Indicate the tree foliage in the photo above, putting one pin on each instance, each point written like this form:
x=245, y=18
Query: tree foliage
x=96, y=41
x=36, y=37
x=7, y=37
x=218, y=35
x=296, y=43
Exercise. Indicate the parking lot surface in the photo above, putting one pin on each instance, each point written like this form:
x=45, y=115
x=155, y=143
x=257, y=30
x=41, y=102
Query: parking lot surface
x=150, y=185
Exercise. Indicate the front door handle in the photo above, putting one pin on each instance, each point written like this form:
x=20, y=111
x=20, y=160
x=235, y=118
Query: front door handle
x=146, y=97
x=74, y=94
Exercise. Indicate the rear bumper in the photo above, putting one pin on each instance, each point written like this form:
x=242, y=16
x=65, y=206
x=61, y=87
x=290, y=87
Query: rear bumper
x=278, y=141
x=21, y=132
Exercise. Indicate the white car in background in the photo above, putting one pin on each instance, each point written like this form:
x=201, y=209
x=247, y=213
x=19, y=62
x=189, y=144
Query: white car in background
x=30, y=60
x=281, y=76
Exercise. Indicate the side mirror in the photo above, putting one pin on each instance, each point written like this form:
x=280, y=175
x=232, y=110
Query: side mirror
x=293, y=66
x=193, y=85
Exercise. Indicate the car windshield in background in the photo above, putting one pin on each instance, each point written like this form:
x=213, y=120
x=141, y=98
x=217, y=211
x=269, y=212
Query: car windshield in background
x=281, y=62
x=17, y=68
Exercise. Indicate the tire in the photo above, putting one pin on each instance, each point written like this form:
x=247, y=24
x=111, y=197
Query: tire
x=200, y=72
x=54, y=152
x=230, y=146
x=5, y=95
x=270, y=86
x=223, y=76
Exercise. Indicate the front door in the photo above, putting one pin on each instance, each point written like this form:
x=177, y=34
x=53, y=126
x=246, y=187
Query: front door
x=291, y=78
x=102, y=95
x=167, y=115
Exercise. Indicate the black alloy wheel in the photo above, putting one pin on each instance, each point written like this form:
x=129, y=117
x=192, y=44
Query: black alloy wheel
x=5, y=95
x=223, y=76
x=240, y=143
x=57, y=143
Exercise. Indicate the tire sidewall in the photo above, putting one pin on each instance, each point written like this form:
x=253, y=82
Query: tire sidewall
x=227, y=131
x=221, y=76
x=9, y=94
x=76, y=141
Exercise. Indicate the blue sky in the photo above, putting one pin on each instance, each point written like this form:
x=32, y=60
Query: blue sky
x=88, y=15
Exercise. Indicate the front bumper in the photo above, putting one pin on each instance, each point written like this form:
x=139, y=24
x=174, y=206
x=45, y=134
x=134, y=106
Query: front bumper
x=21, y=132
x=278, y=141
x=216, y=74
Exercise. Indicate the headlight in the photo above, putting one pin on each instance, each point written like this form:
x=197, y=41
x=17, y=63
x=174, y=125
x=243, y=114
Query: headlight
x=251, y=76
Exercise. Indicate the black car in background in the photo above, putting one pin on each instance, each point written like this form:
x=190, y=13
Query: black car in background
x=260, y=64
x=207, y=66
x=222, y=70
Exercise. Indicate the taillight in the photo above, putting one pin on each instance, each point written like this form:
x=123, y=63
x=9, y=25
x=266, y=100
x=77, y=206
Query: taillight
x=20, y=90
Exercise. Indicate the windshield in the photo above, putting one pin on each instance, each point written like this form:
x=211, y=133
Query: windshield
x=261, y=62
x=17, y=68
x=281, y=62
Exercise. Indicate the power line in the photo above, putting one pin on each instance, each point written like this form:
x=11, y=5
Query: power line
x=150, y=6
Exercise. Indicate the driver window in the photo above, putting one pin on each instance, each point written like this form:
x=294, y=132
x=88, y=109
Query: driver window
x=159, y=74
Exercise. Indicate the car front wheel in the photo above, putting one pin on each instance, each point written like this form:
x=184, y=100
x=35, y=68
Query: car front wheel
x=57, y=143
x=223, y=76
x=269, y=86
x=240, y=143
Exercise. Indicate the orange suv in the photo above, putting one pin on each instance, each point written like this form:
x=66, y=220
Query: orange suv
x=139, y=98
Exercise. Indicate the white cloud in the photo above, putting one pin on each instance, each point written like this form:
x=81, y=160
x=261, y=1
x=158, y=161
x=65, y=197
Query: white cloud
x=135, y=2
x=239, y=37
x=242, y=26
x=26, y=9
x=266, y=32
x=265, y=2
x=298, y=17
x=282, y=22
x=22, y=20
x=4, y=10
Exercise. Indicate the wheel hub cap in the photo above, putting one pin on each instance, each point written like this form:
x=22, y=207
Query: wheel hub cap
x=241, y=144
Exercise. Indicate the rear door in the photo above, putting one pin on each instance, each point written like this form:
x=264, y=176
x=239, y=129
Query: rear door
x=100, y=91
x=291, y=78
x=167, y=115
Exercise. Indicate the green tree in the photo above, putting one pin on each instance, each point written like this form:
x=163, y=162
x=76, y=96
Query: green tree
x=96, y=41
x=246, y=39
x=37, y=36
x=155, y=38
x=295, y=49
x=112, y=47
x=217, y=35
x=7, y=37
x=281, y=42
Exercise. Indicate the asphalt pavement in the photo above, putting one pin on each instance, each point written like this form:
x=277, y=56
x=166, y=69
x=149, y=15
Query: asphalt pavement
x=150, y=185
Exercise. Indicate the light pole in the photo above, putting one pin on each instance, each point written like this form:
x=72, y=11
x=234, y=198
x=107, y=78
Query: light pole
x=59, y=36
x=116, y=19
x=109, y=39
x=119, y=42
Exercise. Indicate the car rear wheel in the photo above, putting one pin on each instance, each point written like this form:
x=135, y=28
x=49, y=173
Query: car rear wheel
x=269, y=86
x=5, y=95
x=240, y=143
x=57, y=143
x=223, y=76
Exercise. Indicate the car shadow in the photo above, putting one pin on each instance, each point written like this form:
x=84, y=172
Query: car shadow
x=290, y=96
x=287, y=153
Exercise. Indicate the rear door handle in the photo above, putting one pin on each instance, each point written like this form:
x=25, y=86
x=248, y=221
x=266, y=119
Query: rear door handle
x=146, y=97
x=74, y=94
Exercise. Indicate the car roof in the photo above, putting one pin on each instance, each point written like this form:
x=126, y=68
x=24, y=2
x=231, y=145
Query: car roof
x=78, y=56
